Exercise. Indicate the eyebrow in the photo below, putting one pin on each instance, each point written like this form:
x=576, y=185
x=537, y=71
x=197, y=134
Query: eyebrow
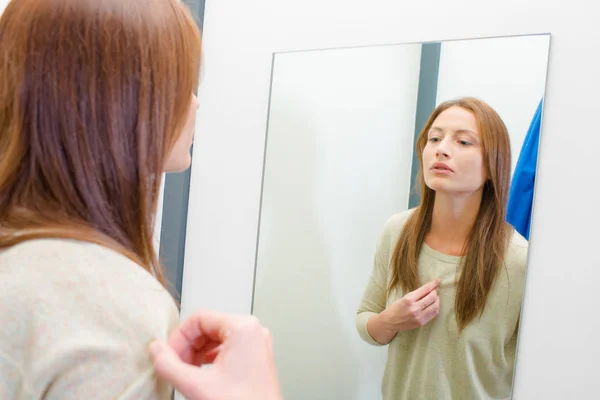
x=435, y=128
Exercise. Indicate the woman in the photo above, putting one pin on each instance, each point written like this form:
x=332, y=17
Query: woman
x=455, y=336
x=96, y=102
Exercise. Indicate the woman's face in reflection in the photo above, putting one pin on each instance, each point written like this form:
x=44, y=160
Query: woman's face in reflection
x=180, y=158
x=453, y=155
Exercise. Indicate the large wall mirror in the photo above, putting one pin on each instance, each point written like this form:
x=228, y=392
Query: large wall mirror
x=352, y=133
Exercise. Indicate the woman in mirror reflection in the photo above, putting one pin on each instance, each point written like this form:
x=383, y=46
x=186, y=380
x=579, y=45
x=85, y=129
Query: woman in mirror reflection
x=447, y=282
x=96, y=103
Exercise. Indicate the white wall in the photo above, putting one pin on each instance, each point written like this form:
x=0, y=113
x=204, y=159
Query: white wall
x=3, y=4
x=338, y=164
x=558, y=348
x=509, y=74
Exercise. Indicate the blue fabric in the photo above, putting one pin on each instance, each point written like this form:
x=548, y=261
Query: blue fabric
x=520, y=198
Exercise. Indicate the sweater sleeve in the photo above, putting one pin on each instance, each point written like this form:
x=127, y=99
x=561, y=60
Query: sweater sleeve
x=86, y=317
x=102, y=374
x=105, y=356
x=375, y=294
x=103, y=371
x=11, y=372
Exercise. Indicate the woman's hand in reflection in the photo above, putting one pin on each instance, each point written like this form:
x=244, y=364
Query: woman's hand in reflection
x=415, y=309
x=239, y=349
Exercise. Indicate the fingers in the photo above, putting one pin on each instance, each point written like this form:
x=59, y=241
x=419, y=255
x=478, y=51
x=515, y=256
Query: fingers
x=210, y=355
x=432, y=311
x=167, y=365
x=206, y=330
x=269, y=337
x=424, y=290
x=428, y=300
x=233, y=344
x=249, y=330
x=211, y=325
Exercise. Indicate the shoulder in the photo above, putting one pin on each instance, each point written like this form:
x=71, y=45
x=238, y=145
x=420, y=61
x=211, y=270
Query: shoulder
x=83, y=311
x=65, y=261
x=394, y=224
x=85, y=286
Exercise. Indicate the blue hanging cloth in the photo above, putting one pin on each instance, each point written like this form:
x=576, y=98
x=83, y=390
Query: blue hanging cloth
x=520, y=198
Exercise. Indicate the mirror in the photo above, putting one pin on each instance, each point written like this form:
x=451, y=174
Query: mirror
x=340, y=195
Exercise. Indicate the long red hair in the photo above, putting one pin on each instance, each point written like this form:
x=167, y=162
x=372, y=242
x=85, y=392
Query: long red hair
x=94, y=95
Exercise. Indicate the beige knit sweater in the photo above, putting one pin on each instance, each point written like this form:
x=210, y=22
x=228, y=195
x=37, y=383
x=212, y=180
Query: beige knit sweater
x=435, y=362
x=75, y=322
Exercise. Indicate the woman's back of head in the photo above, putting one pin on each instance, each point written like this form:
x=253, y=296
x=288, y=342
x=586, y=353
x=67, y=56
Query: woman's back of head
x=94, y=95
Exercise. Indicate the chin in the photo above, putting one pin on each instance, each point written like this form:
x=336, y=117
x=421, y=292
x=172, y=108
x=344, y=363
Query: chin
x=179, y=166
x=438, y=185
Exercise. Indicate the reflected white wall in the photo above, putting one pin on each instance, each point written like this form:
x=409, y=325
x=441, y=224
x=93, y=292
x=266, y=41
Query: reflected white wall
x=339, y=155
x=507, y=73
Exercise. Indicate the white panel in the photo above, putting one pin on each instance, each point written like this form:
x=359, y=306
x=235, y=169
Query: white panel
x=558, y=344
x=338, y=164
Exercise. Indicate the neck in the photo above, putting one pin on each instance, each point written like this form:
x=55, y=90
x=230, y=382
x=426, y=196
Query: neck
x=452, y=220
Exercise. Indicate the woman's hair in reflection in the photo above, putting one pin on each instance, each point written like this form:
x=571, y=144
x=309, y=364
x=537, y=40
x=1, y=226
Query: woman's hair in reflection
x=94, y=95
x=487, y=242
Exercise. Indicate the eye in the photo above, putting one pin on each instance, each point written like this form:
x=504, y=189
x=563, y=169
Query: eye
x=465, y=143
x=434, y=139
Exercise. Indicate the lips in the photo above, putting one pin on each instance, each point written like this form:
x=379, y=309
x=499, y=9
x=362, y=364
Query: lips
x=441, y=167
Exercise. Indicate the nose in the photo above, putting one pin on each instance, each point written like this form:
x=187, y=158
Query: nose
x=442, y=150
